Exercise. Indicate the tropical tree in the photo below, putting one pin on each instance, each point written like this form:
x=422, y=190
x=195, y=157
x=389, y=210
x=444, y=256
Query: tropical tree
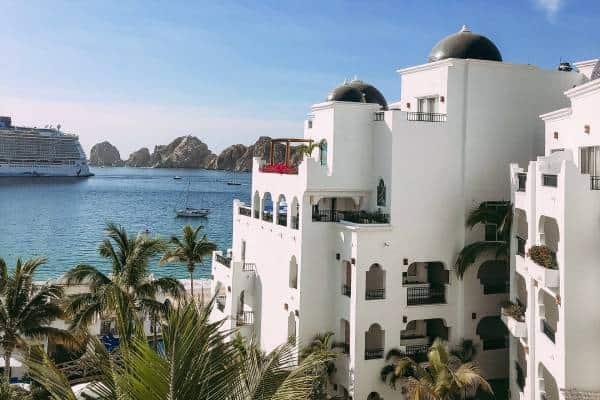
x=11, y=392
x=496, y=216
x=322, y=343
x=128, y=291
x=27, y=310
x=442, y=377
x=307, y=149
x=200, y=361
x=189, y=250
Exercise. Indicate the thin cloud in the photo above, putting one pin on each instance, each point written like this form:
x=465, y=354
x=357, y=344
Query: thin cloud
x=550, y=7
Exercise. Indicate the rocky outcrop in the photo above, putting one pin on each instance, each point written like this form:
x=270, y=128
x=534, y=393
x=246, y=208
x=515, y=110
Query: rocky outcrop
x=104, y=154
x=140, y=158
x=191, y=152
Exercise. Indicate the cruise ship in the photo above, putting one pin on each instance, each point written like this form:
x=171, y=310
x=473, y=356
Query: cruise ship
x=40, y=152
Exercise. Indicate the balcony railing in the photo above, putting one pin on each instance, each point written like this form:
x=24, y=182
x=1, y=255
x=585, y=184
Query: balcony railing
x=295, y=222
x=379, y=115
x=346, y=291
x=522, y=181
x=521, y=246
x=595, y=182
x=245, y=318
x=413, y=349
x=425, y=117
x=520, y=376
x=267, y=216
x=359, y=217
x=282, y=219
x=246, y=211
x=279, y=169
x=548, y=331
x=373, y=354
x=425, y=295
x=249, y=267
x=550, y=180
x=226, y=261
x=374, y=294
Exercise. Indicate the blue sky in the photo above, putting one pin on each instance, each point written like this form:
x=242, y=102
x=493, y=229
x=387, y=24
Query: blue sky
x=142, y=73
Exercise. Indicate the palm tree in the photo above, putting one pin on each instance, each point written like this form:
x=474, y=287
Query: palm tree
x=27, y=310
x=322, y=343
x=189, y=250
x=497, y=215
x=307, y=149
x=200, y=362
x=12, y=392
x=127, y=291
x=443, y=377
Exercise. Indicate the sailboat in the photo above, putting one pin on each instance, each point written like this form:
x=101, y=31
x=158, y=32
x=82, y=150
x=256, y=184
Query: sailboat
x=190, y=212
x=234, y=182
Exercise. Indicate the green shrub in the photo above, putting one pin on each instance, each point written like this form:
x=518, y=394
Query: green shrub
x=543, y=256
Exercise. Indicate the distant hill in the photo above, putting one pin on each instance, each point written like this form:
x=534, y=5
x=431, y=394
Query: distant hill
x=190, y=152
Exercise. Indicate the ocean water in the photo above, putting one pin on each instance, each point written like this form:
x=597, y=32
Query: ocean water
x=63, y=219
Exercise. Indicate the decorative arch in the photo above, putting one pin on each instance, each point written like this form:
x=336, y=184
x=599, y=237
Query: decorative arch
x=494, y=275
x=267, y=207
x=549, y=314
x=295, y=213
x=381, y=193
x=282, y=210
x=374, y=342
x=375, y=283
x=493, y=333
x=293, y=280
x=256, y=205
x=323, y=152
x=548, y=385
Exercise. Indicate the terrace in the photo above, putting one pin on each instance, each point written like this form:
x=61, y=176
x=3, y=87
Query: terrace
x=285, y=167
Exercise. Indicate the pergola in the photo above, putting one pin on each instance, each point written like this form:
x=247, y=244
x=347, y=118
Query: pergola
x=287, y=142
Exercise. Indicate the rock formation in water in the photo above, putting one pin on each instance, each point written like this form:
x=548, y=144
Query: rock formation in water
x=191, y=152
x=105, y=154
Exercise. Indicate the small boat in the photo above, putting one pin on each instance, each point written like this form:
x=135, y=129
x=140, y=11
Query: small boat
x=190, y=212
x=234, y=182
x=177, y=178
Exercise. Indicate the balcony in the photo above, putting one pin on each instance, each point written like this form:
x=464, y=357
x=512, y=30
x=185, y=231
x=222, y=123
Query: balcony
x=373, y=354
x=285, y=167
x=346, y=291
x=245, y=211
x=279, y=168
x=514, y=319
x=545, y=276
x=421, y=294
x=522, y=181
x=549, y=331
x=245, y=318
x=425, y=117
x=248, y=267
x=357, y=217
x=226, y=261
x=375, y=294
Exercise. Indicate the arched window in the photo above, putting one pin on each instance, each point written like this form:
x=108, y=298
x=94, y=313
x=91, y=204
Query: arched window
x=282, y=211
x=323, y=152
x=374, y=342
x=381, y=193
x=293, y=273
x=493, y=333
x=295, y=221
x=494, y=276
x=267, y=207
x=292, y=328
x=375, y=285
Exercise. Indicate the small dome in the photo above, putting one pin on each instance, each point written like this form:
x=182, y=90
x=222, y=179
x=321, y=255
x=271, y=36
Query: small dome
x=345, y=92
x=596, y=71
x=370, y=93
x=465, y=44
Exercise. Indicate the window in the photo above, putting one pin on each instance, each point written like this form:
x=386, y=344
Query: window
x=428, y=104
x=381, y=193
x=310, y=124
x=323, y=152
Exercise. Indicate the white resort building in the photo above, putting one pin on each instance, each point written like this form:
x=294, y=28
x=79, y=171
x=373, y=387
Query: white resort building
x=554, y=348
x=361, y=237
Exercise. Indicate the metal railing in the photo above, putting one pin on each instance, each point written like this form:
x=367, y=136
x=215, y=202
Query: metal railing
x=425, y=117
x=295, y=222
x=327, y=216
x=595, y=182
x=548, y=331
x=346, y=291
x=425, y=295
x=359, y=217
x=245, y=318
x=549, y=180
x=246, y=211
x=521, y=246
x=522, y=181
x=282, y=219
x=373, y=354
x=374, y=294
x=379, y=115
x=226, y=261
x=249, y=267
x=267, y=216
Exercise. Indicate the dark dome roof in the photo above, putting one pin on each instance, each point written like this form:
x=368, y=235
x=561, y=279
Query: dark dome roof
x=345, y=92
x=465, y=44
x=370, y=93
x=596, y=71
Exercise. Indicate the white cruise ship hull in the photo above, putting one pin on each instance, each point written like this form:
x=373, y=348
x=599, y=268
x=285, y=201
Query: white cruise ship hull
x=44, y=170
